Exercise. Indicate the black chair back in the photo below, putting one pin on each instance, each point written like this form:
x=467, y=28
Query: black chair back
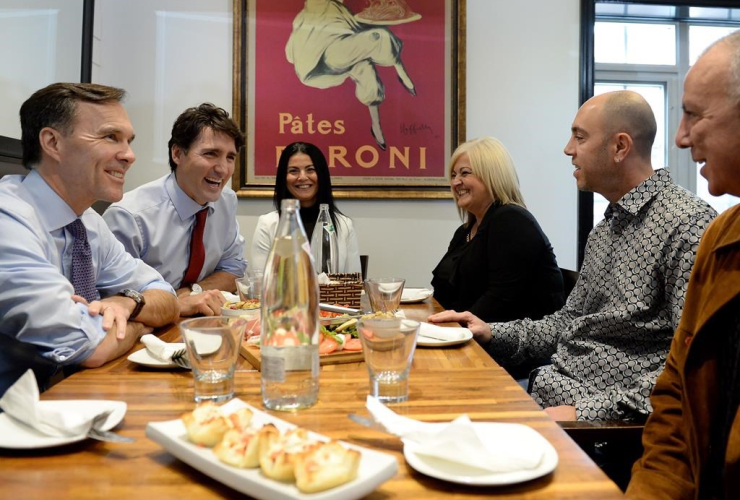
x=16, y=357
x=363, y=266
x=569, y=280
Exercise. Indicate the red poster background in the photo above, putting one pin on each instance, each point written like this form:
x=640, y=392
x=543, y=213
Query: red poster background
x=413, y=123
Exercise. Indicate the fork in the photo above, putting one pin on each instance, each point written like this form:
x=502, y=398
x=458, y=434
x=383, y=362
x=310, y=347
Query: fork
x=108, y=436
x=180, y=358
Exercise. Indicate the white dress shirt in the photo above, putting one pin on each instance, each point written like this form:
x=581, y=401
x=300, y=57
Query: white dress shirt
x=154, y=222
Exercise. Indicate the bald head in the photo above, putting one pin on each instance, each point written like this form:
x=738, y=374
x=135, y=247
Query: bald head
x=628, y=112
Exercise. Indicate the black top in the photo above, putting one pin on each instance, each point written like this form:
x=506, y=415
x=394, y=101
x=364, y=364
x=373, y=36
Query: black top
x=507, y=272
x=727, y=326
x=309, y=215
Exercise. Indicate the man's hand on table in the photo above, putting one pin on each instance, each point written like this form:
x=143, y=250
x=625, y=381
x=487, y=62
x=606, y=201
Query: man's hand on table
x=115, y=310
x=563, y=412
x=481, y=330
x=207, y=303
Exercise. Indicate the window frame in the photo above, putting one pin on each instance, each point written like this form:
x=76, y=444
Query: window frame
x=588, y=76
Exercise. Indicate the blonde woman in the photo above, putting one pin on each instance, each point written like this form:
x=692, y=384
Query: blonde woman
x=500, y=265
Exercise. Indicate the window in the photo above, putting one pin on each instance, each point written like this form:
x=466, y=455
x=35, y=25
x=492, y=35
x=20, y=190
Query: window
x=701, y=37
x=633, y=43
x=652, y=58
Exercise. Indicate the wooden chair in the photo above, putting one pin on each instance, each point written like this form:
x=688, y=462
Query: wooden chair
x=613, y=445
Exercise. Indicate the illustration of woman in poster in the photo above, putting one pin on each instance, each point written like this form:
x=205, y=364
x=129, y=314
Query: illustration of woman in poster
x=329, y=45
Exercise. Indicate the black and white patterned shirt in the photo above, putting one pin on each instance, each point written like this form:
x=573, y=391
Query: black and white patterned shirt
x=609, y=342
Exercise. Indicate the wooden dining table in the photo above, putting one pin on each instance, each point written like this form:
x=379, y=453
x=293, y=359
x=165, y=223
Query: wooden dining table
x=444, y=383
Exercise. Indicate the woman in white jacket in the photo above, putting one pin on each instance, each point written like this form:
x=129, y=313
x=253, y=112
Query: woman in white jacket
x=303, y=174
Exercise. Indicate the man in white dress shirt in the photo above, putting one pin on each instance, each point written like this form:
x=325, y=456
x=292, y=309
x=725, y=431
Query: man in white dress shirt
x=184, y=224
x=70, y=295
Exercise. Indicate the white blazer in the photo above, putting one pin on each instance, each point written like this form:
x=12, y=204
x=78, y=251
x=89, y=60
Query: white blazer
x=349, y=254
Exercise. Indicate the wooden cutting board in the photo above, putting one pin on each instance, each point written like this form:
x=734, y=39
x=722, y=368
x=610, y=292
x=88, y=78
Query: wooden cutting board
x=252, y=354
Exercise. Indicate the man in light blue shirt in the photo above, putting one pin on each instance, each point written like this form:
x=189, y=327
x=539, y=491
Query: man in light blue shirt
x=76, y=141
x=157, y=222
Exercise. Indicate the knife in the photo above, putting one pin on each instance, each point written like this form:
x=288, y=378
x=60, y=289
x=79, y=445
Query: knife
x=367, y=422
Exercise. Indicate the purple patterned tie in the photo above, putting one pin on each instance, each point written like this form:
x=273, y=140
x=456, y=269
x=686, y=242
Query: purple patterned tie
x=83, y=275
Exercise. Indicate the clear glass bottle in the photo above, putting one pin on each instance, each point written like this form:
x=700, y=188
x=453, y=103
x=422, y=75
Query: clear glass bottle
x=290, y=318
x=324, y=242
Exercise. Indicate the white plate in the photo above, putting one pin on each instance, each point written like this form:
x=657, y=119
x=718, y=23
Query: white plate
x=391, y=22
x=375, y=467
x=18, y=436
x=456, y=336
x=463, y=474
x=145, y=358
x=414, y=295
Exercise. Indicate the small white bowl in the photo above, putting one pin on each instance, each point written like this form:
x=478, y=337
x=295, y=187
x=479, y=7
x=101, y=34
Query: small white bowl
x=239, y=312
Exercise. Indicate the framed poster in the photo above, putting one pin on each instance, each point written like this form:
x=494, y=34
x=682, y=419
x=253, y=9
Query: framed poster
x=377, y=85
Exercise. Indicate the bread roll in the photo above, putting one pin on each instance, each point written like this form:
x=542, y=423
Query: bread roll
x=326, y=466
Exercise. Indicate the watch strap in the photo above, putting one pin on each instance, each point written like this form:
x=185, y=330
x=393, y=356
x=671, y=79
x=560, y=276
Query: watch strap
x=136, y=297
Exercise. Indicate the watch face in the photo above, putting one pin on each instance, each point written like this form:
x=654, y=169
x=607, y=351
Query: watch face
x=133, y=294
x=136, y=297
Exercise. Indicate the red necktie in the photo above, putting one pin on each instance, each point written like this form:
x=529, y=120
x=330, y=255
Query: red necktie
x=197, y=250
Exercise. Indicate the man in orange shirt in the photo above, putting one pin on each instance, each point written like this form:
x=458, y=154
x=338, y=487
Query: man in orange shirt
x=692, y=439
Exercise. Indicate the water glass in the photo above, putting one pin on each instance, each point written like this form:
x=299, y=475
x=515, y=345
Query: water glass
x=384, y=294
x=249, y=287
x=388, y=345
x=213, y=348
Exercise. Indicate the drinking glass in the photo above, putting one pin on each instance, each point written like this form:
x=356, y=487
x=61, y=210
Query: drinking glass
x=249, y=287
x=388, y=345
x=213, y=348
x=384, y=294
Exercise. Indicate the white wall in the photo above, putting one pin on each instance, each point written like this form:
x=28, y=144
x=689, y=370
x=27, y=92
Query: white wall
x=40, y=42
x=522, y=87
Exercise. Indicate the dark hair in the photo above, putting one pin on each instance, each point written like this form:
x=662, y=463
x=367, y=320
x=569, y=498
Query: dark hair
x=55, y=106
x=192, y=121
x=324, y=194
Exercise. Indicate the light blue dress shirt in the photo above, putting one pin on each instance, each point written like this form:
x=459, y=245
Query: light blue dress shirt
x=35, y=267
x=154, y=222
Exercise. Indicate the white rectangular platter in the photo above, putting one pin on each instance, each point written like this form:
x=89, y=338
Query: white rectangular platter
x=375, y=467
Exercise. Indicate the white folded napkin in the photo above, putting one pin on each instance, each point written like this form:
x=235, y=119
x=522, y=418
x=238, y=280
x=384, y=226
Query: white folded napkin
x=501, y=448
x=159, y=348
x=230, y=297
x=443, y=333
x=21, y=400
x=323, y=279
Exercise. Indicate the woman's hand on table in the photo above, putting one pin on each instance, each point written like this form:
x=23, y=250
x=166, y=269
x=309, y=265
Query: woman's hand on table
x=481, y=330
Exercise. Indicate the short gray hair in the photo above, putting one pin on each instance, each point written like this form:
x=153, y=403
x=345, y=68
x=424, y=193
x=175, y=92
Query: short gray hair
x=732, y=42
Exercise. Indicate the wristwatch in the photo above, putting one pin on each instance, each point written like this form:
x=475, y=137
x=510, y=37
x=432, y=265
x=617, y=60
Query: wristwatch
x=136, y=297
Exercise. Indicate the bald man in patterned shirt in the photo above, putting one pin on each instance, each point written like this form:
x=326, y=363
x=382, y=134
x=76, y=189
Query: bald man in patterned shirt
x=608, y=344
